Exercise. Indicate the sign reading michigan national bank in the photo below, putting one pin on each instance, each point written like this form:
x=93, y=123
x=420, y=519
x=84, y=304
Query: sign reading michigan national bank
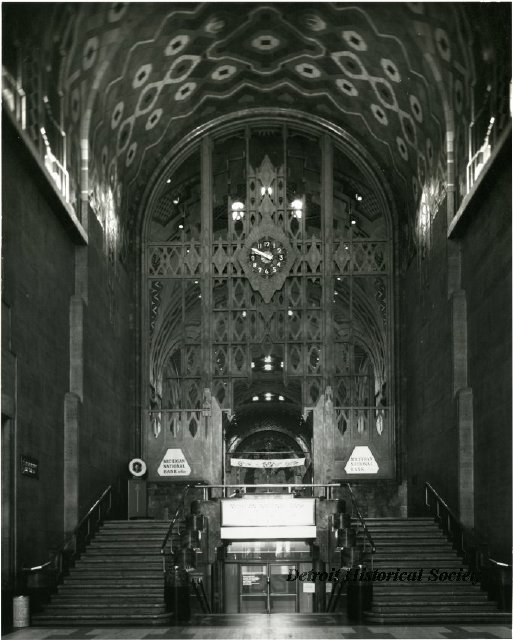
x=174, y=463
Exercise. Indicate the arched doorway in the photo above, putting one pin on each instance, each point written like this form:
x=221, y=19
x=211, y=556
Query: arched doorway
x=268, y=443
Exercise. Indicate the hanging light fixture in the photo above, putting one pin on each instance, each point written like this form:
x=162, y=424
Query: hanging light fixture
x=237, y=210
x=297, y=208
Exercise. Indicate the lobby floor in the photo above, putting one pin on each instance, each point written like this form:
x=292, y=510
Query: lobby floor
x=263, y=627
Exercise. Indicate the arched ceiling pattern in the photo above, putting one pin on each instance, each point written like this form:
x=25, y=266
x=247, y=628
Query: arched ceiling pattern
x=136, y=78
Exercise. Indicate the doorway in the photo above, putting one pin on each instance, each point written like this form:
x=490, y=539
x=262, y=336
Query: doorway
x=264, y=588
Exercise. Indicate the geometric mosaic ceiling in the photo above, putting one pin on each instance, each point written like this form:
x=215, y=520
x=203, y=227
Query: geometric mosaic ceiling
x=136, y=78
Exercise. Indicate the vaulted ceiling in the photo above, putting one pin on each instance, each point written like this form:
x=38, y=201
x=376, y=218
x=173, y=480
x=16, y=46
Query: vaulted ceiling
x=129, y=81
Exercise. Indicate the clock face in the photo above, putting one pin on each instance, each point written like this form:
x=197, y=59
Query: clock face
x=267, y=256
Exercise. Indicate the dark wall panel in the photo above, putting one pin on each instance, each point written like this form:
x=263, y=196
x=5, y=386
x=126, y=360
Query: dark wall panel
x=486, y=275
x=107, y=432
x=38, y=281
x=430, y=433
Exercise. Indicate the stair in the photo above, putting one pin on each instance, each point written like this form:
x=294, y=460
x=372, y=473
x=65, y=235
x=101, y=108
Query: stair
x=117, y=581
x=412, y=544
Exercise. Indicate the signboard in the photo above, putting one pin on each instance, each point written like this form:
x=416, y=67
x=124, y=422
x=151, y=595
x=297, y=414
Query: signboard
x=174, y=464
x=292, y=532
x=277, y=463
x=271, y=512
x=360, y=461
x=308, y=587
x=29, y=466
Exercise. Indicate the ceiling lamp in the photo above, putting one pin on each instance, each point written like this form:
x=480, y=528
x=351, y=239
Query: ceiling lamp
x=358, y=197
x=297, y=208
x=237, y=210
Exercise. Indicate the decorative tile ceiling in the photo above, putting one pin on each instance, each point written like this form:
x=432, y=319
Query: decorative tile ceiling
x=136, y=78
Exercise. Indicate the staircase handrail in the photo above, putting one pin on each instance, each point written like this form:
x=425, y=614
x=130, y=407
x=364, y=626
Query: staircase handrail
x=361, y=519
x=181, y=506
x=473, y=550
x=467, y=542
x=71, y=541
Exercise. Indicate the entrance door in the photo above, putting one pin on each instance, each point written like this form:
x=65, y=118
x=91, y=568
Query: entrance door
x=264, y=588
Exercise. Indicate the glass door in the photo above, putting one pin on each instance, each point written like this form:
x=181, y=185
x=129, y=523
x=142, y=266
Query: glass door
x=254, y=588
x=282, y=592
x=264, y=588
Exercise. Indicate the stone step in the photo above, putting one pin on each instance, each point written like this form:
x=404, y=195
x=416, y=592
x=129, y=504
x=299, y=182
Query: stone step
x=415, y=553
x=107, y=604
x=403, y=531
x=404, y=535
x=121, y=561
x=425, y=587
x=407, y=545
x=423, y=607
x=117, y=550
x=114, y=619
x=381, y=600
x=438, y=617
x=397, y=519
x=131, y=597
x=447, y=564
x=130, y=536
x=113, y=581
x=137, y=524
x=103, y=587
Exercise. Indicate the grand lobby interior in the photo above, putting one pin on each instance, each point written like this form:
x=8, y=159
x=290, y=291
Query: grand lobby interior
x=256, y=320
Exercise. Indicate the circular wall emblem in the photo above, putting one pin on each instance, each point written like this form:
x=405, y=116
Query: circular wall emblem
x=137, y=467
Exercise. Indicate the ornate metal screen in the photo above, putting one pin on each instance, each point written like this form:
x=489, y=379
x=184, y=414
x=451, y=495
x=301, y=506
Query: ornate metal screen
x=268, y=274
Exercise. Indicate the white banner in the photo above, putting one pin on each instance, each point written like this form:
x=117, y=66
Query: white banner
x=267, y=464
x=267, y=511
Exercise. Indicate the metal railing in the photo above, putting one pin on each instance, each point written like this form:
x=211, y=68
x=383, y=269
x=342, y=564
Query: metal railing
x=46, y=136
x=76, y=542
x=291, y=487
x=361, y=519
x=179, y=511
x=201, y=595
x=495, y=576
x=14, y=98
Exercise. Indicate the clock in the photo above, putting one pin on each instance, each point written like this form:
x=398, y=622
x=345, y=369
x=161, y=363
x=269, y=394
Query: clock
x=267, y=256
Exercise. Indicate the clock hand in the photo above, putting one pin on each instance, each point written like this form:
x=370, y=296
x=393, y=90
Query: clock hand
x=269, y=256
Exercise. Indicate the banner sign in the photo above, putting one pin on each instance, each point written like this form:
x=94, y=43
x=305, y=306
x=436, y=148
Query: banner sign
x=174, y=464
x=277, y=463
x=273, y=512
